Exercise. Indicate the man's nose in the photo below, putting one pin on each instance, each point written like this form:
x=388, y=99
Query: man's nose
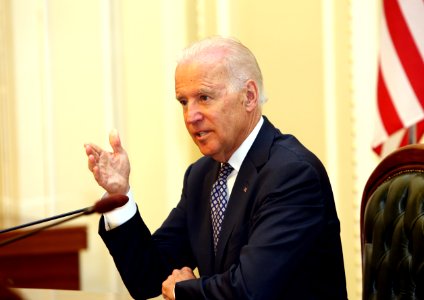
x=193, y=113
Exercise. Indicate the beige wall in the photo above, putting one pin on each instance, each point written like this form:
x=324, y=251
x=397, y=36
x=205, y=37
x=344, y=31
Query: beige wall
x=71, y=70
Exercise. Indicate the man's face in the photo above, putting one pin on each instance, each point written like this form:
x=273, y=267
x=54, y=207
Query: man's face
x=214, y=116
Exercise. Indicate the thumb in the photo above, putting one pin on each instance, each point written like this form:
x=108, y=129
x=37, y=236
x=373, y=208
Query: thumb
x=115, y=141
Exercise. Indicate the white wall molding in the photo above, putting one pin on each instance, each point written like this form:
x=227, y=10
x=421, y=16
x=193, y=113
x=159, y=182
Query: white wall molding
x=111, y=16
x=8, y=176
x=223, y=17
x=329, y=61
x=364, y=40
x=33, y=106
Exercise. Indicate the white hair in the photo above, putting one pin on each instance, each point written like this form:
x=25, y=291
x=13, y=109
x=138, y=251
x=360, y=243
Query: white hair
x=239, y=61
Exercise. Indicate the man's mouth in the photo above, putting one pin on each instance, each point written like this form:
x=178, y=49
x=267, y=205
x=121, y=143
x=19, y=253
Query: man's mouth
x=200, y=135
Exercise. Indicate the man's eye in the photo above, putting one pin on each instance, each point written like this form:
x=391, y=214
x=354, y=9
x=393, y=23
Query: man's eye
x=183, y=102
x=204, y=98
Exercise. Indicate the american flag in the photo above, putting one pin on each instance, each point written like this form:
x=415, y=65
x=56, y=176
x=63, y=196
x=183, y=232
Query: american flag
x=400, y=83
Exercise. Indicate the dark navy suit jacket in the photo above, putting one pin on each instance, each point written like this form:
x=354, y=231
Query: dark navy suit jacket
x=280, y=238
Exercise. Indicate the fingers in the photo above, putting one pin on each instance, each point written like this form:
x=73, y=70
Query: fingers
x=115, y=141
x=183, y=274
x=168, y=288
x=92, y=149
x=93, y=166
x=110, y=169
x=177, y=275
x=93, y=153
x=187, y=270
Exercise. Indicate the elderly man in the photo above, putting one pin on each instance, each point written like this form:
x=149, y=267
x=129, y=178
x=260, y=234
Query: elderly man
x=256, y=214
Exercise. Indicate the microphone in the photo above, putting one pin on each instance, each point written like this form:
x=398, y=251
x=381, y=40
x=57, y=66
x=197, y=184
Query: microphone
x=102, y=206
x=107, y=204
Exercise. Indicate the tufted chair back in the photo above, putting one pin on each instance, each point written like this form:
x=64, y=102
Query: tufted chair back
x=392, y=227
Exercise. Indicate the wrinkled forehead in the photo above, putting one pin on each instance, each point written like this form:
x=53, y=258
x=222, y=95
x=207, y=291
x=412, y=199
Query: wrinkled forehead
x=196, y=75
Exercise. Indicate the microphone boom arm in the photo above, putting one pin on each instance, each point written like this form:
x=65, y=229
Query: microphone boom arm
x=32, y=232
x=82, y=210
x=104, y=205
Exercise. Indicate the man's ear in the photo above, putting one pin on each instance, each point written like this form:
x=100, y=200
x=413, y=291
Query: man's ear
x=251, y=100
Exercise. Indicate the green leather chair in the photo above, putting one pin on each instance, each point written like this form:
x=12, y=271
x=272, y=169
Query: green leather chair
x=392, y=227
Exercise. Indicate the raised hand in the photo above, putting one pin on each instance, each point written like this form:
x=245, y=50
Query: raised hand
x=110, y=169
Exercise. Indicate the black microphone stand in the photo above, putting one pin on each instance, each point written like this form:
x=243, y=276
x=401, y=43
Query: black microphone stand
x=45, y=220
x=102, y=206
x=75, y=214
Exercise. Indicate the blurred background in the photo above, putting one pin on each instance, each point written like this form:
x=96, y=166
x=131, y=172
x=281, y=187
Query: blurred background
x=72, y=70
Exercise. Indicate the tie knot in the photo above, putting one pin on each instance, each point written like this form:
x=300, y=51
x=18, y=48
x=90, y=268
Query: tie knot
x=225, y=170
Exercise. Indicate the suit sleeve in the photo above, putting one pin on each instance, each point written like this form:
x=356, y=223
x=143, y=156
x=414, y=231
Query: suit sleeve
x=144, y=260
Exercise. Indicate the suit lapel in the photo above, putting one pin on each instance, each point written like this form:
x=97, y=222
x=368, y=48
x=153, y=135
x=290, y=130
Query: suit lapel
x=206, y=240
x=241, y=197
x=236, y=209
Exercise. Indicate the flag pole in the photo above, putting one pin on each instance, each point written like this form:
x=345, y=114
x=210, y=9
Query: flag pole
x=412, y=137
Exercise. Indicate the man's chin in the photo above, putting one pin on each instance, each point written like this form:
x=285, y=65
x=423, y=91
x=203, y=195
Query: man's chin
x=207, y=152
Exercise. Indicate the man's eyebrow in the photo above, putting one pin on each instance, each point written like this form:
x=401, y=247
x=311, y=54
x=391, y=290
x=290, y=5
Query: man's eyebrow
x=206, y=89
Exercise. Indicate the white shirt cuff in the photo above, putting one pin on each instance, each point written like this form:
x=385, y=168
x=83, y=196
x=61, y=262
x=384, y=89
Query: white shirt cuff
x=121, y=214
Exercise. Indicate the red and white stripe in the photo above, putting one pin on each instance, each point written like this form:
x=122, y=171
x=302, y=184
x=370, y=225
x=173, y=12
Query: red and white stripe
x=400, y=83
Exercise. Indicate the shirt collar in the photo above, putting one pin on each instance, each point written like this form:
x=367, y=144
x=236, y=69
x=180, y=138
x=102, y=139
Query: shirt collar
x=238, y=156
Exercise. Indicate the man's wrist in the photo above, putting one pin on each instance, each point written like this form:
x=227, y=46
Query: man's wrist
x=121, y=214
